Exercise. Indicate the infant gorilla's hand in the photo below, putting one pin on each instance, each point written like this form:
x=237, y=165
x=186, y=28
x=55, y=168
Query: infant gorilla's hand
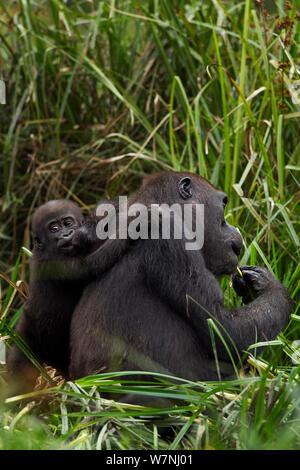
x=255, y=281
x=84, y=238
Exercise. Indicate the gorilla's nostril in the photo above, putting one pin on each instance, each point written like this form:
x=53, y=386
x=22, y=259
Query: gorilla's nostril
x=68, y=234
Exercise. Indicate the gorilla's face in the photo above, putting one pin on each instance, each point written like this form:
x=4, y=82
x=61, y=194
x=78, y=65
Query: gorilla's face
x=54, y=225
x=222, y=242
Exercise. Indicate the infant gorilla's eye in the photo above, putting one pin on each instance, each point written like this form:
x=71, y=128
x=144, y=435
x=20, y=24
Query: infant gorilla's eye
x=68, y=221
x=53, y=227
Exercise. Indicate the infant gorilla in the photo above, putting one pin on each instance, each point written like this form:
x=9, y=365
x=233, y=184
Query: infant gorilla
x=45, y=323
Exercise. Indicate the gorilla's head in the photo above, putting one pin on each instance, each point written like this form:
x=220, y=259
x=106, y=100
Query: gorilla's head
x=222, y=242
x=54, y=224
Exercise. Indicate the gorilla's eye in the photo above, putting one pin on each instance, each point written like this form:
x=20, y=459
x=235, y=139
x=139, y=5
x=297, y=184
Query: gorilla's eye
x=53, y=227
x=185, y=189
x=68, y=221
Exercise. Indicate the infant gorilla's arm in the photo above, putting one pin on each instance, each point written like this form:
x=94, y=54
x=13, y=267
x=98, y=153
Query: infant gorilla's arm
x=86, y=239
x=94, y=255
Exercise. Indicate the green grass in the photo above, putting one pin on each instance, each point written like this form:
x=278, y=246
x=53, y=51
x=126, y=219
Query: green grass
x=102, y=93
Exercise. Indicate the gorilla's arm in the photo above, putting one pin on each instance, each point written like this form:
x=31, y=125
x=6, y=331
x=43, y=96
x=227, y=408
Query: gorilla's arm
x=93, y=256
x=85, y=237
x=182, y=279
x=84, y=267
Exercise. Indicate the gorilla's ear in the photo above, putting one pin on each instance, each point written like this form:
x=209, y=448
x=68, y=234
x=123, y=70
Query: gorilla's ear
x=185, y=187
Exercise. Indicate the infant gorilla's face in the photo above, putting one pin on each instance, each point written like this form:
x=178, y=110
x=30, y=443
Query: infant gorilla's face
x=54, y=225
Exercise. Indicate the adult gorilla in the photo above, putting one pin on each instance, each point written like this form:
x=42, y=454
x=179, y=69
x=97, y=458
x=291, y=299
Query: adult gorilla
x=149, y=311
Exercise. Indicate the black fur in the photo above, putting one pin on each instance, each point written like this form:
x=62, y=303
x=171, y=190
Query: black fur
x=45, y=323
x=149, y=310
x=62, y=264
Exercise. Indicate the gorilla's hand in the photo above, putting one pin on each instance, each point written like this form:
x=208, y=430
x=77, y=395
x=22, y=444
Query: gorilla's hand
x=84, y=238
x=241, y=288
x=255, y=281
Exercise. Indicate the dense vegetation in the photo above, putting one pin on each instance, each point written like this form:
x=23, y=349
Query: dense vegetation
x=101, y=93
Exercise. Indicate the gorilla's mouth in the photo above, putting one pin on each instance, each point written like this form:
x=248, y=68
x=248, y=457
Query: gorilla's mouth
x=65, y=245
x=67, y=248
